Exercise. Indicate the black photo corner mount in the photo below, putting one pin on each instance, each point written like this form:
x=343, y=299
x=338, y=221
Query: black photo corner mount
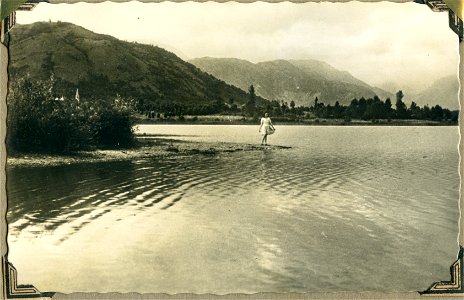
x=454, y=287
x=13, y=290
x=455, y=23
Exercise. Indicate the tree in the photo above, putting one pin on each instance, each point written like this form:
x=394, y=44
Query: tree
x=251, y=104
x=414, y=110
x=388, y=108
x=437, y=113
x=447, y=114
x=315, y=108
x=35, y=119
x=113, y=124
x=401, y=111
x=292, y=104
x=284, y=107
x=338, y=110
x=361, y=109
x=353, y=108
x=426, y=114
x=375, y=109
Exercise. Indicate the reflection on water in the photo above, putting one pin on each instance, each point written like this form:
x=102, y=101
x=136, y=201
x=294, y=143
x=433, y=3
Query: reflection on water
x=344, y=209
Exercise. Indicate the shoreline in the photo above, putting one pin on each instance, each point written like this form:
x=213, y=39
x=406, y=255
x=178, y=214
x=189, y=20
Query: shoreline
x=224, y=120
x=146, y=147
x=154, y=146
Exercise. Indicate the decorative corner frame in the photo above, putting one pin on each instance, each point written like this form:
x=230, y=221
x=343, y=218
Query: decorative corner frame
x=455, y=23
x=13, y=290
x=454, y=287
x=8, y=15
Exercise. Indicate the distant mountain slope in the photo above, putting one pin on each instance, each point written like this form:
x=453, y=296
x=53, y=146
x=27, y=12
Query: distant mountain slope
x=298, y=80
x=101, y=65
x=443, y=92
x=324, y=70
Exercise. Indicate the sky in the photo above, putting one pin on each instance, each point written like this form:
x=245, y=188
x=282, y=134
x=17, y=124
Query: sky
x=390, y=45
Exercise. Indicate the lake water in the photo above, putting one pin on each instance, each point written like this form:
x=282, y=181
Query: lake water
x=346, y=209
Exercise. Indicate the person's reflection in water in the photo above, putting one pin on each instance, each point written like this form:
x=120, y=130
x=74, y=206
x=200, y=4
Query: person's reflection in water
x=265, y=162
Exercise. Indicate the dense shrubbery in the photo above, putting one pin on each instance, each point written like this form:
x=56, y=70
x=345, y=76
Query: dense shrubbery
x=39, y=120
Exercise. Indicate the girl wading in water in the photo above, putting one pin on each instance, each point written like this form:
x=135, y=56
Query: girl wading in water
x=266, y=128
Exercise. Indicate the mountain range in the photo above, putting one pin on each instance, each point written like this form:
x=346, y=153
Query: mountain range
x=287, y=80
x=101, y=65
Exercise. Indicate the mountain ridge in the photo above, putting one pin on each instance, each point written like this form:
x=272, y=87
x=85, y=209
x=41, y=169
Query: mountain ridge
x=287, y=80
x=102, y=65
x=443, y=91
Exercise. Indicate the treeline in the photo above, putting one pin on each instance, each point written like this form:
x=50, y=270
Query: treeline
x=168, y=109
x=40, y=120
x=363, y=109
x=374, y=108
x=366, y=109
x=216, y=97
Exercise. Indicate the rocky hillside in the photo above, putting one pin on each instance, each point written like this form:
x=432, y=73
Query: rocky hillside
x=101, y=65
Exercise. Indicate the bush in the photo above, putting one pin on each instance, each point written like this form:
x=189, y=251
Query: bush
x=39, y=121
x=113, y=128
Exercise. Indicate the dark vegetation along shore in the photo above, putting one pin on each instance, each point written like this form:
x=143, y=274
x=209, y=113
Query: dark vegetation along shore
x=86, y=106
x=46, y=130
x=241, y=120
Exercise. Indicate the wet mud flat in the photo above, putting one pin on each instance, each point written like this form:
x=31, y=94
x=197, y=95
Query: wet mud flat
x=146, y=147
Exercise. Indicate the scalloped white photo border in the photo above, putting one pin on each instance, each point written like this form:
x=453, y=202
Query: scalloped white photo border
x=10, y=285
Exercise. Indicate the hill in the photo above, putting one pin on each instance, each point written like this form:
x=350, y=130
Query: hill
x=444, y=92
x=101, y=65
x=298, y=80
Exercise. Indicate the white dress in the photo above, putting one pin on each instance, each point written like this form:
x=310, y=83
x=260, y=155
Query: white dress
x=266, y=126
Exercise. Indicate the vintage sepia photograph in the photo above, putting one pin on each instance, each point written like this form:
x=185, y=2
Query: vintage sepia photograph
x=217, y=148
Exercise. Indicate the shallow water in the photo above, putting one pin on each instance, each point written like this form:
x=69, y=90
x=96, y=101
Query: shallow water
x=346, y=209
